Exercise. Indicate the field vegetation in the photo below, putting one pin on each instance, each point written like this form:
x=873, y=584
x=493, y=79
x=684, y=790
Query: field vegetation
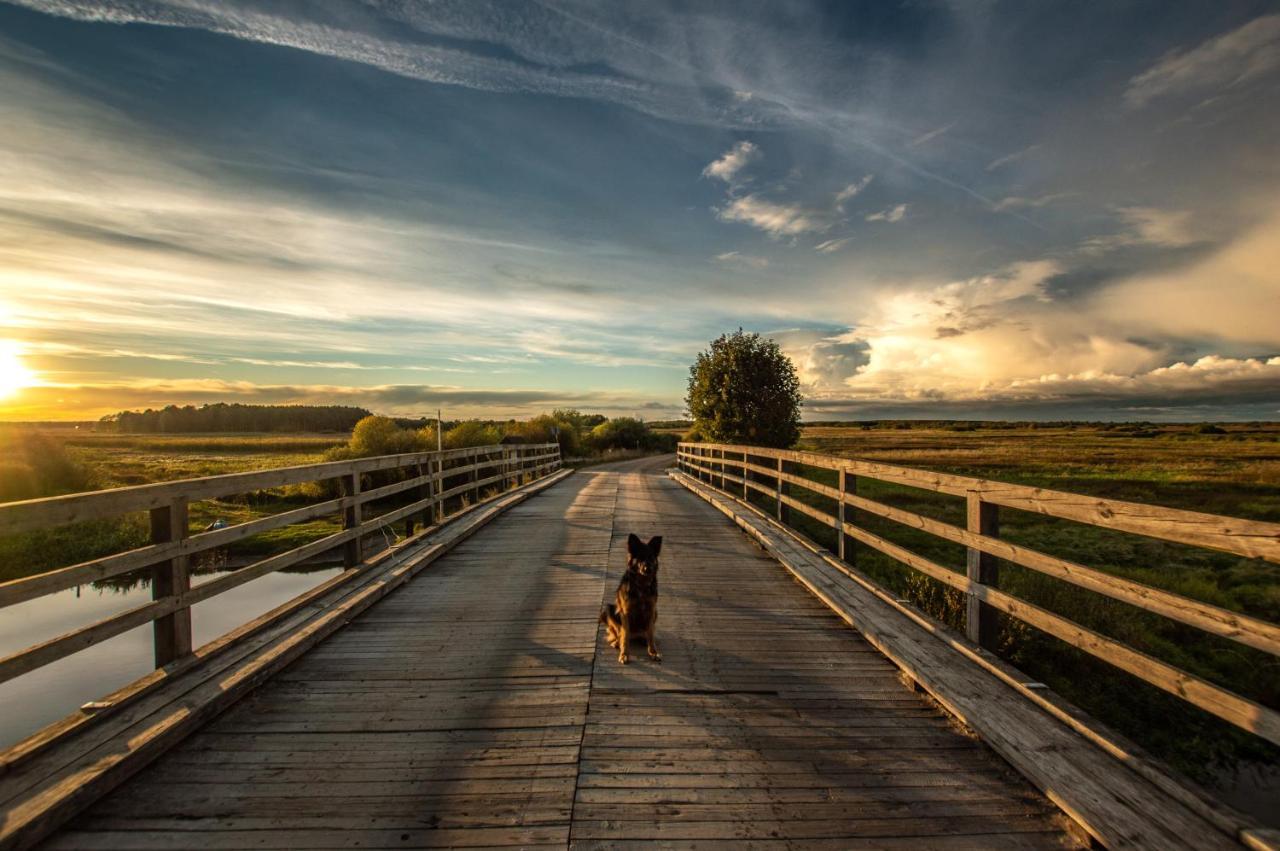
x=48, y=462
x=1225, y=469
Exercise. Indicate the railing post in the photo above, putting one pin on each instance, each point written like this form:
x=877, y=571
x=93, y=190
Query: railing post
x=171, y=634
x=437, y=487
x=475, y=475
x=777, y=493
x=981, y=622
x=419, y=492
x=720, y=466
x=744, y=476
x=842, y=486
x=351, y=550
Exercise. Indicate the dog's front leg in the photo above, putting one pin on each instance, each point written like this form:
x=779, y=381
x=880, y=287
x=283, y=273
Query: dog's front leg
x=623, y=637
x=651, y=636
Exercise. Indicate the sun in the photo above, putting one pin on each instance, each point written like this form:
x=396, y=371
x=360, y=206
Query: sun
x=14, y=374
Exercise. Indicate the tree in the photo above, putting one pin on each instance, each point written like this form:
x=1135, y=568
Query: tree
x=745, y=390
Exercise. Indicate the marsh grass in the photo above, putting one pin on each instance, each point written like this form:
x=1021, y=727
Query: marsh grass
x=1236, y=473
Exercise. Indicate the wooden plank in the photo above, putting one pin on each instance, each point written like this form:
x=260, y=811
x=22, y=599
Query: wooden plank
x=1116, y=805
x=982, y=624
x=1225, y=704
x=1248, y=538
x=1249, y=631
x=51, y=511
x=46, y=789
x=761, y=693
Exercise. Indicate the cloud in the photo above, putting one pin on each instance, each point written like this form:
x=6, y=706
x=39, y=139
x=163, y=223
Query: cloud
x=833, y=245
x=90, y=401
x=777, y=220
x=1232, y=295
x=743, y=259
x=552, y=49
x=1011, y=158
x=1244, y=54
x=851, y=190
x=733, y=161
x=1016, y=202
x=1146, y=226
x=892, y=214
x=931, y=135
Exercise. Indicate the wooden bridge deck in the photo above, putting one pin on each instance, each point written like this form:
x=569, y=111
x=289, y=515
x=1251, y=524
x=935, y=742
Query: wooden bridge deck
x=479, y=706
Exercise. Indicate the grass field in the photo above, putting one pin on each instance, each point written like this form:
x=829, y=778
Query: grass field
x=1235, y=473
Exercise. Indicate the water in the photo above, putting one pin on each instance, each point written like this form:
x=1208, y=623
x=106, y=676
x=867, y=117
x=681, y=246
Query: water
x=33, y=700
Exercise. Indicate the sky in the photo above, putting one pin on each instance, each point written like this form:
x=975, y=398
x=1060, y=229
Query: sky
x=997, y=210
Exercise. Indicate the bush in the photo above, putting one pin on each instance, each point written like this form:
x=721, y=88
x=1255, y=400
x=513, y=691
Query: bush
x=34, y=465
x=471, y=433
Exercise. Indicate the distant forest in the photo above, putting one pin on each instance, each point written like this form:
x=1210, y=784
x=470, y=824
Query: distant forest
x=234, y=418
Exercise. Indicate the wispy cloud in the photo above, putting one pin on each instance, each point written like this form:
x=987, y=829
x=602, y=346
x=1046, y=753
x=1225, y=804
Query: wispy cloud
x=1146, y=226
x=743, y=259
x=891, y=214
x=1018, y=202
x=831, y=246
x=1244, y=54
x=1012, y=158
x=852, y=190
x=734, y=160
x=775, y=219
x=925, y=138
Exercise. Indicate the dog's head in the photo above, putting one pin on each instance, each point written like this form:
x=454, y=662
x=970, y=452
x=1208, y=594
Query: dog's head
x=642, y=557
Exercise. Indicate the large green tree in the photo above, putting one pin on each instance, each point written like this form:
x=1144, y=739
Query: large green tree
x=745, y=390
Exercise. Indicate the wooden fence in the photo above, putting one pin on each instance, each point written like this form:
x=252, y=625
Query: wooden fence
x=774, y=473
x=432, y=481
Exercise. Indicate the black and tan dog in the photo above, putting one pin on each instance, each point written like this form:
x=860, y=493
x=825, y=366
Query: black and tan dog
x=634, y=611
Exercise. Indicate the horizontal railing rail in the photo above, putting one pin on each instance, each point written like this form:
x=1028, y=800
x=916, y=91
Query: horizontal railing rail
x=434, y=479
x=712, y=464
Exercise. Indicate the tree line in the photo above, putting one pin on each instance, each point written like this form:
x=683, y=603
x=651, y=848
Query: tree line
x=223, y=417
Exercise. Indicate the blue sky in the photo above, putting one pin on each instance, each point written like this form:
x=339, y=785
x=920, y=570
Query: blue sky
x=974, y=209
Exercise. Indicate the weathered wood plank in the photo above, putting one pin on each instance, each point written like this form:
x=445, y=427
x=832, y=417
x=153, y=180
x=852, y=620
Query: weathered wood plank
x=1119, y=807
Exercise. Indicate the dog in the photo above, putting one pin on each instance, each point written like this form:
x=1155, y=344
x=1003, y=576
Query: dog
x=634, y=611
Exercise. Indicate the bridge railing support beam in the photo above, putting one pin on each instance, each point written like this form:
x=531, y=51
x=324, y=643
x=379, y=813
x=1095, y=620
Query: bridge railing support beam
x=351, y=516
x=171, y=634
x=981, y=620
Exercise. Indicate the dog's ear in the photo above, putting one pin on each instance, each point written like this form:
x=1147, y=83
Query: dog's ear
x=634, y=545
x=655, y=545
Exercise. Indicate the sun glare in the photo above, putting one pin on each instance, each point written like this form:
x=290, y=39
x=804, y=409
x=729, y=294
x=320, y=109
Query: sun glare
x=14, y=374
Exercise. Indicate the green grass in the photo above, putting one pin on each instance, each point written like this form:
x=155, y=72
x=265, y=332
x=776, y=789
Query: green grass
x=1237, y=473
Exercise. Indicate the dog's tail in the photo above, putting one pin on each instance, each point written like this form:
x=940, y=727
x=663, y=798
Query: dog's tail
x=608, y=613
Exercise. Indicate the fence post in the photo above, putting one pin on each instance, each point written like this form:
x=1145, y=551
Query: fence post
x=744, y=475
x=437, y=487
x=777, y=493
x=171, y=634
x=475, y=475
x=842, y=486
x=420, y=492
x=720, y=466
x=981, y=622
x=351, y=550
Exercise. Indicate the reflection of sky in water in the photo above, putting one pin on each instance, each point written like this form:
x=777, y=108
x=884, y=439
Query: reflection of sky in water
x=47, y=694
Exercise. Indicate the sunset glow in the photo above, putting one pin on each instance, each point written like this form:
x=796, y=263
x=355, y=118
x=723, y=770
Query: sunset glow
x=14, y=375
x=937, y=209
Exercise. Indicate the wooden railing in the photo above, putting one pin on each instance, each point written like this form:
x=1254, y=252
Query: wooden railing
x=435, y=481
x=773, y=474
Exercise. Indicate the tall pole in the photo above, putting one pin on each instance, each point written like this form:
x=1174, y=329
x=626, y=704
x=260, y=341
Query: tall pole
x=439, y=431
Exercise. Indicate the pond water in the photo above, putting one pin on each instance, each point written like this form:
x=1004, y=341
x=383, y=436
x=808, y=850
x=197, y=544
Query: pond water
x=43, y=696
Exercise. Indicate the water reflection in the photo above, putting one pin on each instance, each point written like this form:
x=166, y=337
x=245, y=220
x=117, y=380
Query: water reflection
x=33, y=700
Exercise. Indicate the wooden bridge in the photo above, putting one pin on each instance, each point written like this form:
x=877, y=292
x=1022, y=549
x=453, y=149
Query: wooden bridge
x=454, y=690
